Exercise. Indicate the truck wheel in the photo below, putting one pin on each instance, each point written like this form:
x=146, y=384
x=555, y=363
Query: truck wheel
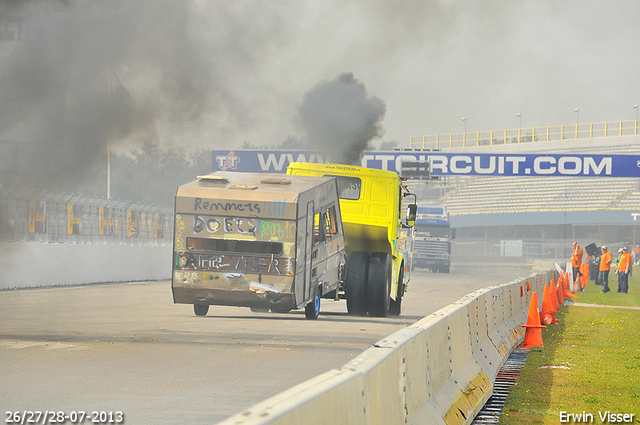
x=312, y=310
x=445, y=269
x=379, y=284
x=395, y=306
x=356, y=289
x=200, y=309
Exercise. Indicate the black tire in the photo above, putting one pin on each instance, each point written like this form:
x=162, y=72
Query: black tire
x=446, y=269
x=280, y=309
x=259, y=309
x=379, y=284
x=200, y=309
x=356, y=290
x=312, y=310
x=395, y=306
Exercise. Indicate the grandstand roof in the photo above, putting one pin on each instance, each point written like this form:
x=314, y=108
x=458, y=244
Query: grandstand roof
x=598, y=145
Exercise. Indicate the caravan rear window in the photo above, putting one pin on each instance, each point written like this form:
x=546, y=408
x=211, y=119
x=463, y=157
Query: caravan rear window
x=348, y=187
x=234, y=246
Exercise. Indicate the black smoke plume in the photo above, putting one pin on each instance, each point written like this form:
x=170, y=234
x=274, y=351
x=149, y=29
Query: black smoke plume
x=340, y=119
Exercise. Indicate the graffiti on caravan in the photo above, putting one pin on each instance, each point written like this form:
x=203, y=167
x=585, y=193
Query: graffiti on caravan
x=511, y=165
x=260, y=161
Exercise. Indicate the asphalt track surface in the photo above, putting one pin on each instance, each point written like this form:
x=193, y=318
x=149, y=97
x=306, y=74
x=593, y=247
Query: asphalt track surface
x=126, y=347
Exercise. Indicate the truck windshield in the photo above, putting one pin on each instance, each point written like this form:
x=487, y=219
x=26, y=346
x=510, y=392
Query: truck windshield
x=433, y=230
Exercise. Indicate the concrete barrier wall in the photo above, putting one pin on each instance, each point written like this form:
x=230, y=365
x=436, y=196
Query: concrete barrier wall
x=24, y=265
x=440, y=370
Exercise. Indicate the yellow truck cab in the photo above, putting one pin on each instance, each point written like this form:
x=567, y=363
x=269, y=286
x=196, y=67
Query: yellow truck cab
x=257, y=240
x=371, y=206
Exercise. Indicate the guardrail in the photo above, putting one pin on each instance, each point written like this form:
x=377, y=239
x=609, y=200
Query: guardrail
x=41, y=216
x=439, y=370
x=526, y=135
x=76, y=240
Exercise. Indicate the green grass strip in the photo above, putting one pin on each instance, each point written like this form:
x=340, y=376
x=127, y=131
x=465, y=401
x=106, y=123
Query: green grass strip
x=590, y=363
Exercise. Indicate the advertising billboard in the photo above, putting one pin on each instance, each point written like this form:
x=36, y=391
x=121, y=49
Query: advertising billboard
x=442, y=164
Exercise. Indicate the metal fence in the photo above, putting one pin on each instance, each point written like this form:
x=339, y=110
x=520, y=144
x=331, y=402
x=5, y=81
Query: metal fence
x=526, y=249
x=527, y=135
x=40, y=216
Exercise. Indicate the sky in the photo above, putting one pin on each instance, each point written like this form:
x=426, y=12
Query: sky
x=434, y=62
x=218, y=74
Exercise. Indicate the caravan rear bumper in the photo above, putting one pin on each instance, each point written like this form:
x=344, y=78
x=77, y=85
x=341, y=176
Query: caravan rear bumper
x=248, y=298
x=234, y=289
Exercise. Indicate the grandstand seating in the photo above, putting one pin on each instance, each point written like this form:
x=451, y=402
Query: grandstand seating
x=524, y=194
x=477, y=195
x=629, y=201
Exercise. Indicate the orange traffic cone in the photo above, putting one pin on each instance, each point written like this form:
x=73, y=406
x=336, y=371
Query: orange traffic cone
x=548, y=314
x=533, y=334
x=584, y=269
x=569, y=294
x=552, y=296
x=560, y=294
x=554, y=291
x=561, y=283
x=560, y=290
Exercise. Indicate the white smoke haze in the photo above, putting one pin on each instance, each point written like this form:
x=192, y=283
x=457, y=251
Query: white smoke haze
x=216, y=74
x=90, y=74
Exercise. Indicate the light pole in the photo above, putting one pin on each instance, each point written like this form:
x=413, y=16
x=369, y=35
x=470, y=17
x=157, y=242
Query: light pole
x=109, y=106
x=519, y=115
x=577, y=111
x=565, y=199
x=464, y=135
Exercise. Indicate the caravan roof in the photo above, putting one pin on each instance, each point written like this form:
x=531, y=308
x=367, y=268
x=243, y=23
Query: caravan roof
x=263, y=186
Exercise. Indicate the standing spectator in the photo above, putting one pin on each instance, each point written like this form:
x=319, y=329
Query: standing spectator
x=618, y=264
x=605, y=267
x=624, y=267
x=636, y=254
x=620, y=251
x=576, y=261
